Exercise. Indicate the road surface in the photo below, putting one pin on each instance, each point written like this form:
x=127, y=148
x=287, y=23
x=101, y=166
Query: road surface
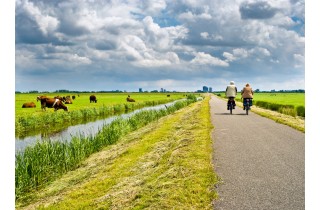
x=261, y=163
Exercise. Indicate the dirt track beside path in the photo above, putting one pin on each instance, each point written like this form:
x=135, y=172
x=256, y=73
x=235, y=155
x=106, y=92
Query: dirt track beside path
x=261, y=162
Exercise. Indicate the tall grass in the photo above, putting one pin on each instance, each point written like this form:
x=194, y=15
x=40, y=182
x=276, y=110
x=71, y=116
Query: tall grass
x=284, y=109
x=281, y=108
x=42, y=163
x=300, y=111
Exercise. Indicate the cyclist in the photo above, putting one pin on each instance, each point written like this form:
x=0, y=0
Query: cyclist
x=247, y=92
x=231, y=92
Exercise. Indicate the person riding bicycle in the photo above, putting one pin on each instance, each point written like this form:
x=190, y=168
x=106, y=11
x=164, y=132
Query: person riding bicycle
x=247, y=93
x=231, y=92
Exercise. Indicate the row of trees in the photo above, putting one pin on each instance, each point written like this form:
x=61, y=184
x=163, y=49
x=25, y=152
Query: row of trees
x=281, y=91
x=71, y=91
x=153, y=91
x=101, y=91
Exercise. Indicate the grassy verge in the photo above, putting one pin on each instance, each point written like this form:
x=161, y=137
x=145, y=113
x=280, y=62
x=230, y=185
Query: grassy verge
x=164, y=165
x=297, y=122
x=284, y=109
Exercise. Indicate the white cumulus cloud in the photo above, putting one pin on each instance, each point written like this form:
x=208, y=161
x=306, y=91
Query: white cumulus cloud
x=168, y=40
x=206, y=59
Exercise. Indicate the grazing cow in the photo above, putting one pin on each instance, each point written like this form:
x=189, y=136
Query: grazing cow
x=93, y=98
x=29, y=105
x=39, y=98
x=52, y=103
x=68, y=101
x=63, y=99
x=130, y=99
x=168, y=95
x=42, y=100
x=73, y=97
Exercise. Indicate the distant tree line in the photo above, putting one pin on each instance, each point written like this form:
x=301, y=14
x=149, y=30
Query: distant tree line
x=281, y=91
x=100, y=91
x=270, y=91
x=155, y=91
x=72, y=91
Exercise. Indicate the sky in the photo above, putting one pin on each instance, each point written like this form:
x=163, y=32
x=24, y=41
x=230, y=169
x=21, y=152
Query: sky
x=181, y=45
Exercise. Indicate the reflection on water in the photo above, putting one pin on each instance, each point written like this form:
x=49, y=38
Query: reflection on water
x=84, y=130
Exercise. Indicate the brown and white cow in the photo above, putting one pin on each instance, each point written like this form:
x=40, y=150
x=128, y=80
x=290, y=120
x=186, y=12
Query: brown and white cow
x=41, y=97
x=68, y=101
x=55, y=103
x=63, y=99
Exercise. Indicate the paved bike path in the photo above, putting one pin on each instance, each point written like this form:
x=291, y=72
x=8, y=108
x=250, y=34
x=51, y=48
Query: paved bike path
x=261, y=162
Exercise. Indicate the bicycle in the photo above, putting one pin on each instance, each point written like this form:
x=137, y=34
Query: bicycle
x=247, y=103
x=231, y=104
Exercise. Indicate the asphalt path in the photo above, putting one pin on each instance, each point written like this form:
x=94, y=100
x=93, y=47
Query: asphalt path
x=261, y=163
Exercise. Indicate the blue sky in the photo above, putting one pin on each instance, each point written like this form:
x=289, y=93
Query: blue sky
x=177, y=45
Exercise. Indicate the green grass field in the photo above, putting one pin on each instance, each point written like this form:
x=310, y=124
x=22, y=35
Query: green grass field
x=35, y=120
x=82, y=101
x=295, y=99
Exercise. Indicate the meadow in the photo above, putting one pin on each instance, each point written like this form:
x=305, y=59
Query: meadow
x=295, y=99
x=39, y=165
x=82, y=100
x=287, y=103
x=30, y=120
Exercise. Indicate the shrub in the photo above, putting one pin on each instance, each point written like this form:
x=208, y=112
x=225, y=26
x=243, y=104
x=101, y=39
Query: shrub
x=192, y=97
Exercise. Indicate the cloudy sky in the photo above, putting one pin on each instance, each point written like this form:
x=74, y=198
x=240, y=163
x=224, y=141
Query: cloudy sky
x=178, y=45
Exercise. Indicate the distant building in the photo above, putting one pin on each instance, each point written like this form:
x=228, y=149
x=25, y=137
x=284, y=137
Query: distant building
x=205, y=89
x=210, y=89
x=140, y=90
